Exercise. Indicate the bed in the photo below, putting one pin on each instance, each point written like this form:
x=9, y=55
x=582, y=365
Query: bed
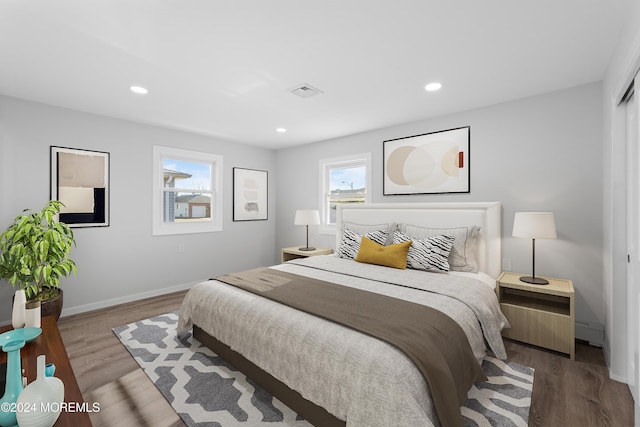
x=331, y=374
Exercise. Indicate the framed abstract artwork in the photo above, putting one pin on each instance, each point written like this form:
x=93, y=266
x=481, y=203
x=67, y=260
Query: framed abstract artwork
x=431, y=163
x=80, y=180
x=249, y=195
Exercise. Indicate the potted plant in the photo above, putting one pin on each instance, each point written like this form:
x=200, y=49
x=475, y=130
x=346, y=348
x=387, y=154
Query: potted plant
x=34, y=255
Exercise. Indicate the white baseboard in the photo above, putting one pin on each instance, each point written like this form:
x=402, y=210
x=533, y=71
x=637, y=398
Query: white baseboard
x=121, y=300
x=591, y=332
x=619, y=378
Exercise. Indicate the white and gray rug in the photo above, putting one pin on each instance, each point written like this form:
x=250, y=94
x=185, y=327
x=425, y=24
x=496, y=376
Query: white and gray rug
x=208, y=392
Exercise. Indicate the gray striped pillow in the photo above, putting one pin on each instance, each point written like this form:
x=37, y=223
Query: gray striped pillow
x=350, y=244
x=429, y=253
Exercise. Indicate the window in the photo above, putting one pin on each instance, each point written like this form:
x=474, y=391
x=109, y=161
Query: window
x=187, y=191
x=343, y=180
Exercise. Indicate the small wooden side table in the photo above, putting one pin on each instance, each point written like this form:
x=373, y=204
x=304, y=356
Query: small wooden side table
x=542, y=315
x=294, y=252
x=50, y=344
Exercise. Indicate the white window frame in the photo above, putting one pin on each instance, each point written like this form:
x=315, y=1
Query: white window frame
x=162, y=228
x=362, y=159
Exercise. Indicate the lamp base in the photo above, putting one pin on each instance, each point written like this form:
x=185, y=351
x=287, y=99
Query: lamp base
x=534, y=280
x=306, y=248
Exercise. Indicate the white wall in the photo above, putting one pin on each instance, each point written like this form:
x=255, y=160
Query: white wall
x=124, y=261
x=538, y=153
x=624, y=63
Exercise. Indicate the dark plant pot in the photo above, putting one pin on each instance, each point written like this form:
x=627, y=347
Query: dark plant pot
x=52, y=307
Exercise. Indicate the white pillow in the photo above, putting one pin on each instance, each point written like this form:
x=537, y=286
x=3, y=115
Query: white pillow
x=363, y=229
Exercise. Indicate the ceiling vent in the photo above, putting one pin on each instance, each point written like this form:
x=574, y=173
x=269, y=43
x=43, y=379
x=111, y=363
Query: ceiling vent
x=305, y=91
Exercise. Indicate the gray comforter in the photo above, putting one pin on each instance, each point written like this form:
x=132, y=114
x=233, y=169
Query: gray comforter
x=363, y=380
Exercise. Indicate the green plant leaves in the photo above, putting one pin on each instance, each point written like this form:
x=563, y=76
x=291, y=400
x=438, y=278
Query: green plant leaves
x=34, y=250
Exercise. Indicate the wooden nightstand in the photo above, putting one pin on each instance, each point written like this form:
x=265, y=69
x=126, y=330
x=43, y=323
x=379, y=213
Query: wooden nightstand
x=295, y=252
x=542, y=315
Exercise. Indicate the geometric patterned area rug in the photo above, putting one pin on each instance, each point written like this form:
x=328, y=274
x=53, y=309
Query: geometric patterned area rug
x=503, y=400
x=206, y=391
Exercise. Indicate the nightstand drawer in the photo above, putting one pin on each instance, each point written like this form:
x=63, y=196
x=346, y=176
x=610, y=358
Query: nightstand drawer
x=543, y=328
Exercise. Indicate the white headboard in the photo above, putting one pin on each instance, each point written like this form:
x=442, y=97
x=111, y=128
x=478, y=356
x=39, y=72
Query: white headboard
x=435, y=215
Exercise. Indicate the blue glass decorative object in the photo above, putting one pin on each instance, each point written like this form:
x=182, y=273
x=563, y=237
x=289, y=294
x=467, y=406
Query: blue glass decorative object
x=13, y=386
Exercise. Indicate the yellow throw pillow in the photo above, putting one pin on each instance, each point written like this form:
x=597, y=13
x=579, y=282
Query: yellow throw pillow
x=390, y=256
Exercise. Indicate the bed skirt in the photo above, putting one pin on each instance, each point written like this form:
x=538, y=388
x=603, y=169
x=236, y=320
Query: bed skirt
x=311, y=412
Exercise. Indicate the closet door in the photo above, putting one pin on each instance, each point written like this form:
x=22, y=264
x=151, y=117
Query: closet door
x=633, y=241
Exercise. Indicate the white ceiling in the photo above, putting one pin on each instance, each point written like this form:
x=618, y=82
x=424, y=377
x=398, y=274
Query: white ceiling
x=224, y=68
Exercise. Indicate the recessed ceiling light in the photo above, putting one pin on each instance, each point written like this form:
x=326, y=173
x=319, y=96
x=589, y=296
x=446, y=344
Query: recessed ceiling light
x=281, y=130
x=433, y=86
x=139, y=90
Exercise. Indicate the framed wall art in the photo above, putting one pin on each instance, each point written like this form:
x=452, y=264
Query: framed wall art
x=80, y=180
x=431, y=163
x=249, y=194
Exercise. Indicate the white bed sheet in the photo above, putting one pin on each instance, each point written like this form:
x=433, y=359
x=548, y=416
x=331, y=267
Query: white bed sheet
x=363, y=380
x=480, y=276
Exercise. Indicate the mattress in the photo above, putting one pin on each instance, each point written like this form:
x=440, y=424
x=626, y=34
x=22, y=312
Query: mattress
x=353, y=376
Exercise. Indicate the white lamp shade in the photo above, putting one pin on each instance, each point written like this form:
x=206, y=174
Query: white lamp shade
x=534, y=225
x=307, y=217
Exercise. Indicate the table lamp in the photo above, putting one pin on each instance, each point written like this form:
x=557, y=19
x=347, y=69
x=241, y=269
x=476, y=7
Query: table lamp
x=307, y=217
x=534, y=225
